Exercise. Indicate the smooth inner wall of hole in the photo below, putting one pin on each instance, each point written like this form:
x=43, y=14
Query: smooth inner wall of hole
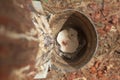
x=82, y=41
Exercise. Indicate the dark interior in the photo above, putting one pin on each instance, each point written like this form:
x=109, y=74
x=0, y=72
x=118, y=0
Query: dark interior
x=87, y=33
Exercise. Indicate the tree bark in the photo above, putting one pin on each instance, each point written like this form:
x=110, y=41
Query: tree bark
x=18, y=48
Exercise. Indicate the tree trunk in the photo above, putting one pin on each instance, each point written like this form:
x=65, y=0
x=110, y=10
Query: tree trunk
x=18, y=47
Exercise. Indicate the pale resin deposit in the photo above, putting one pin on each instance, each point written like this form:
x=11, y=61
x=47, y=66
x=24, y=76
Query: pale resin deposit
x=68, y=40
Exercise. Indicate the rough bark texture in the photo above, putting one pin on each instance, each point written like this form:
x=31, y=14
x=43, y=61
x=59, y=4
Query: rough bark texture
x=17, y=48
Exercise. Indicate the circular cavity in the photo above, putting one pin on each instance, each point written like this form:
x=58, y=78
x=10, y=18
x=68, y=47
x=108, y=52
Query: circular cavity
x=87, y=38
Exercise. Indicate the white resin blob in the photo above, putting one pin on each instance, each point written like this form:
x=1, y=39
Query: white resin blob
x=68, y=40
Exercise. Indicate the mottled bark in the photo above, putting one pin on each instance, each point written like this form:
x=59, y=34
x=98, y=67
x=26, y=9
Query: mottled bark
x=18, y=47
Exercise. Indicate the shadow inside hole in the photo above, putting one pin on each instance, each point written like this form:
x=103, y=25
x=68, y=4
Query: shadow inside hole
x=82, y=41
x=87, y=34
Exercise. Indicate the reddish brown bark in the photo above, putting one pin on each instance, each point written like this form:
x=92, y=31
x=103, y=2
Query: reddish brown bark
x=15, y=53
